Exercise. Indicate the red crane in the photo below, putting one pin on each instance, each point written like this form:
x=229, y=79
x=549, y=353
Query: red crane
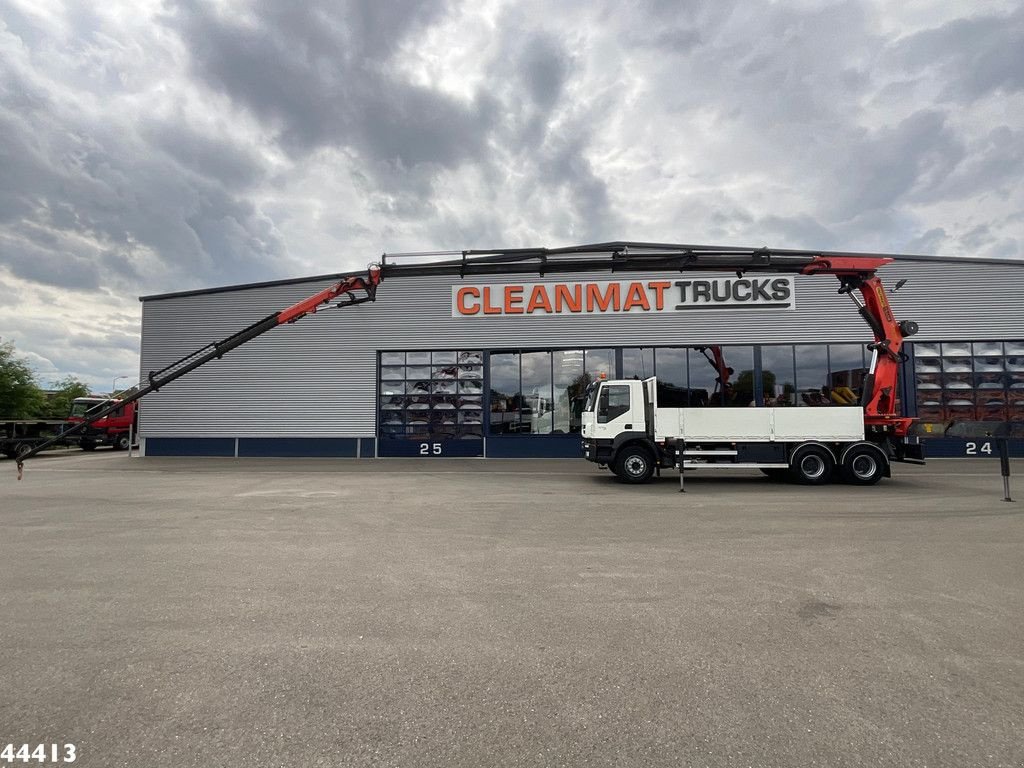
x=856, y=274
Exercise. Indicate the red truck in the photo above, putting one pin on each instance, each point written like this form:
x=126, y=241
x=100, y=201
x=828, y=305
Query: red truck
x=114, y=429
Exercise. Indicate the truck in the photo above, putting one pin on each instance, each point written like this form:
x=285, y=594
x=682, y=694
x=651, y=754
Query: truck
x=623, y=424
x=628, y=428
x=113, y=429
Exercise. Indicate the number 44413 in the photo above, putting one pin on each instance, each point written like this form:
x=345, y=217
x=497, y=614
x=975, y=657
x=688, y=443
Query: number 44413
x=41, y=753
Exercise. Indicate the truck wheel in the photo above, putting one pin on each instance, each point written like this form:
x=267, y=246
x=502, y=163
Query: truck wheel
x=20, y=449
x=862, y=465
x=121, y=442
x=811, y=465
x=87, y=445
x=634, y=464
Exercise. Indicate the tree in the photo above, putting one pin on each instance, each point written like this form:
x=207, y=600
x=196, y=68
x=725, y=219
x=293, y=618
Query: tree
x=20, y=397
x=67, y=389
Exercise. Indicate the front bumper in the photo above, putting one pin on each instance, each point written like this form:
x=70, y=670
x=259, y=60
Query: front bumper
x=597, y=451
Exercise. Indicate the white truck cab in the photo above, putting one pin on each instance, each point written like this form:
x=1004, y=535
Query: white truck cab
x=626, y=428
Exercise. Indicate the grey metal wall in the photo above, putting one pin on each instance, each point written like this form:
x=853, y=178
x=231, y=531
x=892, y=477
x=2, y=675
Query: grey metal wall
x=318, y=376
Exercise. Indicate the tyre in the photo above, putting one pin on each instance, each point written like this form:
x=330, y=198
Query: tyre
x=20, y=449
x=811, y=465
x=634, y=464
x=121, y=442
x=863, y=465
x=87, y=445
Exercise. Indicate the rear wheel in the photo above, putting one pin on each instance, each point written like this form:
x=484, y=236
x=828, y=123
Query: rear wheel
x=21, y=449
x=811, y=465
x=862, y=465
x=86, y=445
x=121, y=442
x=634, y=464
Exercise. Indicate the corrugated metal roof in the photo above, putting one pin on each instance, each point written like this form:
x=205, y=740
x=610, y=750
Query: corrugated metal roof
x=911, y=258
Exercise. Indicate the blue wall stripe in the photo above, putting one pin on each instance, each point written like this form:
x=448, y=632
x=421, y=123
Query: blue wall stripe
x=331, y=447
x=534, y=447
x=190, y=446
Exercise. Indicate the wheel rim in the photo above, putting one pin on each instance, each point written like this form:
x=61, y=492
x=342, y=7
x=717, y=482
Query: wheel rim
x=812, y=466
x=864, y=466
x=636, y=465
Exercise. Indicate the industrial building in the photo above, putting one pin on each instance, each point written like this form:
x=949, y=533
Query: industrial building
x=496, y=366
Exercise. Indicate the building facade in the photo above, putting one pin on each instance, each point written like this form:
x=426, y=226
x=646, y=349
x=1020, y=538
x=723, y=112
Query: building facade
x=497, y=366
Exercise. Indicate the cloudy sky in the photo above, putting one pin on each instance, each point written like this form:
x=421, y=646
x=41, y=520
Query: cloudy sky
x=148, y=147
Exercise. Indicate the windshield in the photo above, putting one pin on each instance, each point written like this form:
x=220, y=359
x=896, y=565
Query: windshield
x=592, y=396
x=81, y=408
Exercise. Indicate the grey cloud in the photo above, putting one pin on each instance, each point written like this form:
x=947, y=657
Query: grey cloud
x=972, y=57
x=918, y=153
x=545, y=67
x=928, y=242
x=317, y=72
x=78, y=192
x=799, y=231
x=993, y=164
x=214, y=157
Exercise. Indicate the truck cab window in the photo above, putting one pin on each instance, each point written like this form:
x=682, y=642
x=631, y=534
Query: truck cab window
x=612, y=402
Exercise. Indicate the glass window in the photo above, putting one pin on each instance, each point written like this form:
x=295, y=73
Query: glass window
x=703, y=383
x=988, y=349
x=673, y=390
x=612, y=402
x=637, y=362
x=598, y=362
x=812, y=374
x=570, y=385
x=536, y=389
x=970, y=386
x=957, y=349
x=846, y=374
x=778, y=375
x=420, y=400
x=505, y=395
x=671, y=366
x=740, y=393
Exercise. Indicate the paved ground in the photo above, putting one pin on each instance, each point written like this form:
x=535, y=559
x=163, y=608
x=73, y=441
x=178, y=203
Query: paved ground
x=260, y=613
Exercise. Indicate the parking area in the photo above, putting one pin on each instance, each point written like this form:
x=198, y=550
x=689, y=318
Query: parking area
x=191, y=612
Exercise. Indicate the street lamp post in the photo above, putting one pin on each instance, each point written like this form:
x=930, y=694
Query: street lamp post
x=113, y=386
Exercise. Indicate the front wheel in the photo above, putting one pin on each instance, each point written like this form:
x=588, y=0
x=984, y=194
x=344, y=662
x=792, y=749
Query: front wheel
x=121, y=442
x=862, y=465
x=634, y=464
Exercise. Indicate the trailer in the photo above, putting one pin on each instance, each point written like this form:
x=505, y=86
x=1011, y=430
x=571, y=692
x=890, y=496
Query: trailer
x=20, y=437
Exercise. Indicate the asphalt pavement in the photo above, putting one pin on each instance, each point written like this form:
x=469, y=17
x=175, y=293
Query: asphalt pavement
x=186, y=612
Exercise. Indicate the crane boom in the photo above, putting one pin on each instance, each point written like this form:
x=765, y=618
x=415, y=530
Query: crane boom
x=855, y=271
